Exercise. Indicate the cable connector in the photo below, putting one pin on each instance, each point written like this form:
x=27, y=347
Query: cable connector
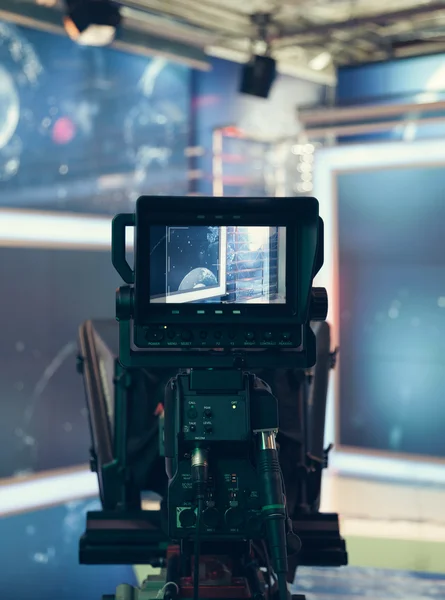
x=200, y=476
x=200, y=472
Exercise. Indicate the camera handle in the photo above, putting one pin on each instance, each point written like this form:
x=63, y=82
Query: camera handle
x=118, y=245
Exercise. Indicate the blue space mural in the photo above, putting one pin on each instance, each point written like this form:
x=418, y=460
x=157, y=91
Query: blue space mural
x=88, y=129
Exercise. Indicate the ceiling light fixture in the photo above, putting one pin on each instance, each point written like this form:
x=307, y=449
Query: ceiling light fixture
x=92, y=22
x=259, y=73
x=321, y=61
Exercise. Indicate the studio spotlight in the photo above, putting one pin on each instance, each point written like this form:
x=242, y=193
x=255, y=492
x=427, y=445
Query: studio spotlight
x=259, y=73
x=320, y=61
x=92, y=22
x=258, y=76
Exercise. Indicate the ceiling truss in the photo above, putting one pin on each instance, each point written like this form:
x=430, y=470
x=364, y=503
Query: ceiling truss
x=308, y=38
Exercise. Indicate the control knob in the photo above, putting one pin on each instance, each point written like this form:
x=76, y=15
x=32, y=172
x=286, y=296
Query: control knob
x=319, y=304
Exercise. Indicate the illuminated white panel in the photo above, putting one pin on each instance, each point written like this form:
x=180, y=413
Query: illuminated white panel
x=35, y=494
x=385, y=467
x=46, y=491
x=40, y=229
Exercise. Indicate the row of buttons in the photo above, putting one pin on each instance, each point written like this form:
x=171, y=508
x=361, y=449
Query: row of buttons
x=157, y=335
x=207, y=428
x=192, y=413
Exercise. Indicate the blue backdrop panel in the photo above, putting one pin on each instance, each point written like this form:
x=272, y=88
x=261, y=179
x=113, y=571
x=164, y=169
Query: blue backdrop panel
x=392, y=303
x=411, y=80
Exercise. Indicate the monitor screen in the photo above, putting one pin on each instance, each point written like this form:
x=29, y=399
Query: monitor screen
x=230, y=264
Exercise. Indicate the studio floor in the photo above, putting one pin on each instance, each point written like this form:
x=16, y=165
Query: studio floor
x=389, y=525
x=354, y=583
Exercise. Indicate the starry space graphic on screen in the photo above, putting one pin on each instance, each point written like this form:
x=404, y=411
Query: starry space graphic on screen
x=216, y=264
x=183, y=259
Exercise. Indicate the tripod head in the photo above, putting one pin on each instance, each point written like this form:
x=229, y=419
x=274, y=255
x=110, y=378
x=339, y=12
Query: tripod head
x=223, y=290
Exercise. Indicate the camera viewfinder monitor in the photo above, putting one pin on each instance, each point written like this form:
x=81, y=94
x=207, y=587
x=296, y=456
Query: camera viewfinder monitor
x=207, y=257
x=211, y=264
x=227, y=273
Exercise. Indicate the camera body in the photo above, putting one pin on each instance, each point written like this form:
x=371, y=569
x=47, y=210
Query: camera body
x=232, y=504
x=218, y=323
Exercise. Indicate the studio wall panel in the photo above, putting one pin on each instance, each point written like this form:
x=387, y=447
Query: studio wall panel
x=49, y=293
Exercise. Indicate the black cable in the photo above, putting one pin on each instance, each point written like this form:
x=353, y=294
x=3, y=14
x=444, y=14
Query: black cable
x=263, y=555
x=197, y=550
x=265, y=563
x=256, y=584
x=171, y=588
x=282, y=586
x=268, y=563
x=270, y=574
x=274, y=507
x=290, y=530
x=199, y=472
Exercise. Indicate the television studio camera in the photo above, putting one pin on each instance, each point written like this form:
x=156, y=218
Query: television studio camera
x=205, y=393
